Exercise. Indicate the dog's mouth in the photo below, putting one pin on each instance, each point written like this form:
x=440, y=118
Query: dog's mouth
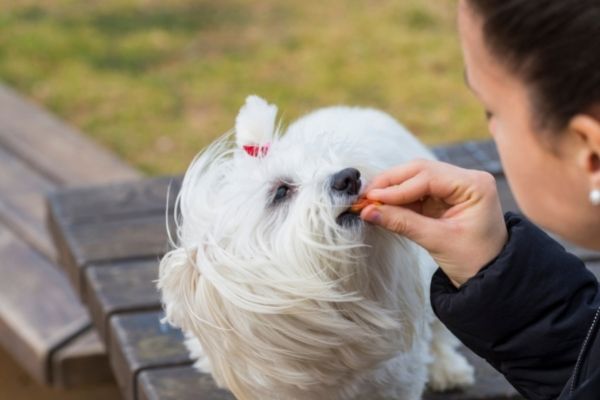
x=351, y=215
x=348, y=218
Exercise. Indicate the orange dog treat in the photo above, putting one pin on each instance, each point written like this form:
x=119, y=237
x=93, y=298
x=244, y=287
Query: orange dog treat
x=361, y=204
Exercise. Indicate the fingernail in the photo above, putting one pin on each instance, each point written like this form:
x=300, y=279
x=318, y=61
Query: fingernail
x=373, y=216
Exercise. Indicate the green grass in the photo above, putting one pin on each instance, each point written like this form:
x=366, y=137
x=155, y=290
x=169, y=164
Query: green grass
x=157, y=80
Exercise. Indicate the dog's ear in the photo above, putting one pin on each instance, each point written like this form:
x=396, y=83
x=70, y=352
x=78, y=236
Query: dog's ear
x=177, y=279
x=255, y=126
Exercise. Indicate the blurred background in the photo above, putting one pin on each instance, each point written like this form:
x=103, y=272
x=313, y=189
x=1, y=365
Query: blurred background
x=155, y=81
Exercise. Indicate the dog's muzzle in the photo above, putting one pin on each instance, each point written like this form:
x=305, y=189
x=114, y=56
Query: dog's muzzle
x=347, y=183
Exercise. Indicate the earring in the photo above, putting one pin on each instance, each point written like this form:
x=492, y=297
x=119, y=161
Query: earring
x=595, y=197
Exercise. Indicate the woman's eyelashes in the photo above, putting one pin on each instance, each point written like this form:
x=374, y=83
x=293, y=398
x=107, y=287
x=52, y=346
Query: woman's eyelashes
x=488, y=115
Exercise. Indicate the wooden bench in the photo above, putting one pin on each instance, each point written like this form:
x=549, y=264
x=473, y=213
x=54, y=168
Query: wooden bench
x=43, y=324
x=110, y=239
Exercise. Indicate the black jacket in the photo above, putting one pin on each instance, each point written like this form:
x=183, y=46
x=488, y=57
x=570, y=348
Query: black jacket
x=532, y=313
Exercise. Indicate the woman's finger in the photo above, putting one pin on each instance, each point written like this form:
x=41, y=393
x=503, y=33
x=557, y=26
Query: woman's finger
x=409, y=191
x=438, y=180
x=418, y=228
x=397, y=175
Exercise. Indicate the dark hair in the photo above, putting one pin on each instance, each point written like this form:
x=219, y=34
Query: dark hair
x=553, y=46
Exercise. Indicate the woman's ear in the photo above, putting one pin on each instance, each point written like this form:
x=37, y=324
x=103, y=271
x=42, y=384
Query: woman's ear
x=587, y=129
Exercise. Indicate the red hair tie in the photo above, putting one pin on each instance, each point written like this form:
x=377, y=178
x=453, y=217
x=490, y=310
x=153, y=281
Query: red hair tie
x=256, y=150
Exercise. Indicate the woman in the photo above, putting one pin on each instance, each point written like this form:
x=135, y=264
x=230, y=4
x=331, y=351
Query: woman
x=507, y=290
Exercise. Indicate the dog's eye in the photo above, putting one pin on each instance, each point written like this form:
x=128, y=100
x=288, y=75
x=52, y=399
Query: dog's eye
x=281, y=193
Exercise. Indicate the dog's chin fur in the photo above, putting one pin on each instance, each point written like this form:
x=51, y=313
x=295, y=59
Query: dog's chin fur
x=279, y=300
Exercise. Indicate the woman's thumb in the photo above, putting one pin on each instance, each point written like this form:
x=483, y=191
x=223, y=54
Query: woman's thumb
x=401, y=220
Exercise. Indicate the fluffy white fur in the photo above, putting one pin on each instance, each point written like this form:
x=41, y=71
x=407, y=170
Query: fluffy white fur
x=278, y=300
x=255, y=123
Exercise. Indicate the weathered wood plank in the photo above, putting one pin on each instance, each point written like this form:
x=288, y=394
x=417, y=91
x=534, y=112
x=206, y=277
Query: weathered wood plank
x=186, y=383
x=53, y=148
x=111, y=283
x=16, y=384
x=115, y=201
x=140, y=341
x=81, y=362
x=38, y=154
x=22, y=203
x=112, y=240
x=31, y=326
x=22, y=210
x=179, y=383
x=116, y=240
x=480, y=155
x=101, y=224
x=118, y=287
x=64, y=255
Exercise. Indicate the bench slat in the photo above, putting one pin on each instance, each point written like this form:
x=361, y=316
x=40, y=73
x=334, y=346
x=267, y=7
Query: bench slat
x=490, y=383
x=38, y=155
x=22, y=204
x=110, y=283
x=116, y=240
x=38, y=308
x=22, y=209
x=115, y=201
x=123, y=211
x=480, y=155
x=120, y=287
x=81, y=362
x=54, y=148
x=18, y=385
x=186, y=383
x=179, y=383
x=109, y=241
x=140, y=341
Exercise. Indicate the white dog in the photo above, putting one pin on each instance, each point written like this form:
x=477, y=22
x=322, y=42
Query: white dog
x=282, y=292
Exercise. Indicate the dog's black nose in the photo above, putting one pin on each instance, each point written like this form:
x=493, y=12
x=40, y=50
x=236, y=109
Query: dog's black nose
x=346, y=181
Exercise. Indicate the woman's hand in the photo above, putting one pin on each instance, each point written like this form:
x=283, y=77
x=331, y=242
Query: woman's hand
x=454, y=213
